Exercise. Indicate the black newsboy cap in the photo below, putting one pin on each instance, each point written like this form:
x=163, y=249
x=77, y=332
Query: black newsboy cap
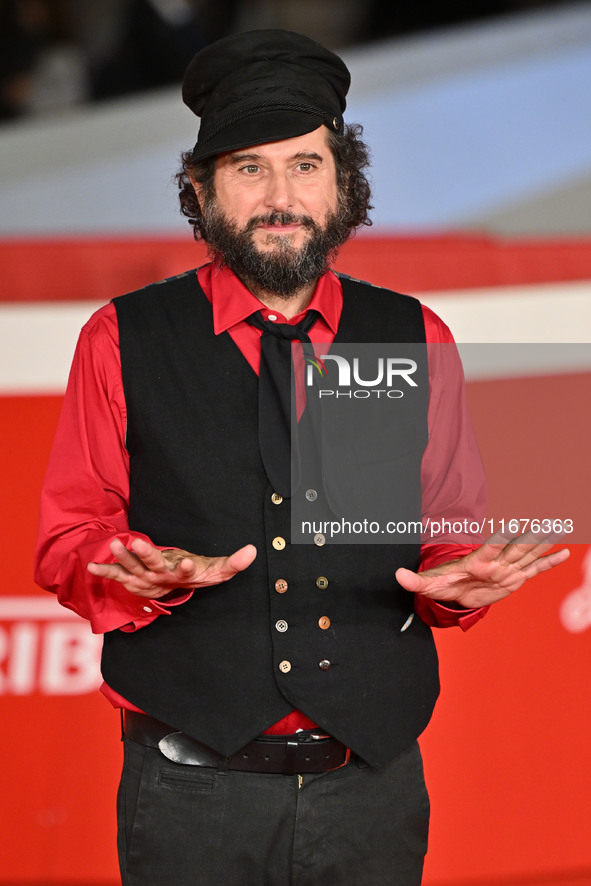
x=263, y=86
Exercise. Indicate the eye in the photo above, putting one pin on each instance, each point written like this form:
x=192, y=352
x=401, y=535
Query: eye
x=305, y=167
x=251, y=169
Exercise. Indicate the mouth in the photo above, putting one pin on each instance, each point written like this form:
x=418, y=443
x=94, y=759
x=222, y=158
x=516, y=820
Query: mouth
x=280, y=223
x=279, y=228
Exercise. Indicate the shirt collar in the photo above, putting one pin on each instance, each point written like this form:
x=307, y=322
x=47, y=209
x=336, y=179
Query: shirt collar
x=232, y=302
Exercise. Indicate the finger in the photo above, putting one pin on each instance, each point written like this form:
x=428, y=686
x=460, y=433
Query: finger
x=186, y=566
x=133, y=583
x=150, y=557
x=543, y=564
x=529, y=543
x=519, y=551
x=500, y=542
x=108, y=570
x=241, y=559
x=221, y=569
x=128, y=559
x=437, y=587
x=491, y=548
x=521, y=554
x=528, y=557
x=409, y=580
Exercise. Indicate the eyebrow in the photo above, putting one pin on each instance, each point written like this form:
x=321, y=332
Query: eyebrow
x=255, y=158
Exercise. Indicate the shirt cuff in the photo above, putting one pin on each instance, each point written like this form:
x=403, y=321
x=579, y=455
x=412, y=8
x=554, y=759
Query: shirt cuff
x=433, y=555
x=149, y=610
x=438, y=615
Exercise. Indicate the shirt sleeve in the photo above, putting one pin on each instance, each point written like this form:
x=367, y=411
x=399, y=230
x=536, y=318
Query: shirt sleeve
x=85, y=496
x=452, y=475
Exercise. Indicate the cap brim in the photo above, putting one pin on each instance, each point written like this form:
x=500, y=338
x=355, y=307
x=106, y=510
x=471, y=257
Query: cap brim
x=257, y=129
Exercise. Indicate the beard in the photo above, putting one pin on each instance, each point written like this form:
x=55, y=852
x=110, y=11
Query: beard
x=285, y=269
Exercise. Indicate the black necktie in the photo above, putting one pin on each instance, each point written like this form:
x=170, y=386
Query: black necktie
x=276, y=396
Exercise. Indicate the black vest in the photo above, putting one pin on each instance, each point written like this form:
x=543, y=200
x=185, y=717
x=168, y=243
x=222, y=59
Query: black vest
x=215, y=668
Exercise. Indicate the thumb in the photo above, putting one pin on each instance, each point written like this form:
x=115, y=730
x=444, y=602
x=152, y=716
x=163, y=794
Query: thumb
x=409, y=580
x=241, y=559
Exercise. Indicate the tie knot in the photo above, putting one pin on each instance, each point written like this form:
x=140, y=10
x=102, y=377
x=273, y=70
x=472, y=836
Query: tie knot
x=287, y=331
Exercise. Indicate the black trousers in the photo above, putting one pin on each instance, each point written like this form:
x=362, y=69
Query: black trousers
x=188, y=826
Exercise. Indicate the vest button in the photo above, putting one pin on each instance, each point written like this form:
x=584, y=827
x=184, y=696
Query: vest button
x=324, y=622
x=311, y=494
x=278, y=543
x=281, y=586
x=321, y=582
x=319, y=539
x=324, y=665
x=285, y=667
x=276, y=498
x=281, y=626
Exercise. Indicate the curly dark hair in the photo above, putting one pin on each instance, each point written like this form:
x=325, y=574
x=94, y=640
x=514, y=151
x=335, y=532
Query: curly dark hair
x=351, y=157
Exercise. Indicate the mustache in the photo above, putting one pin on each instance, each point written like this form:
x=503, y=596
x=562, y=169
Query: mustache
x=279, y=218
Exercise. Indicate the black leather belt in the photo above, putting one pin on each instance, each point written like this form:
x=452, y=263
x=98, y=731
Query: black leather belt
x=279, y=754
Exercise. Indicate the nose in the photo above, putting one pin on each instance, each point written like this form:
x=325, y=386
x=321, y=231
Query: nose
x=278, y=192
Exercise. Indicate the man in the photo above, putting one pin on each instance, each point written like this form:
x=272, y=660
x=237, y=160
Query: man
x=272, y=696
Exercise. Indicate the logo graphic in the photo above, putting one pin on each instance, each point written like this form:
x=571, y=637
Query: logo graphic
x=314, y=363
x=386, y=371
x=361, y=377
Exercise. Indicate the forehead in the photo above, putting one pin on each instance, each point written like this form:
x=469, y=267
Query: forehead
x=315, y=142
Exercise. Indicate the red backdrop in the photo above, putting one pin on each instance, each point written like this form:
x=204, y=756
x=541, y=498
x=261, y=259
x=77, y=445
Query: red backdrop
x=507, y=753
